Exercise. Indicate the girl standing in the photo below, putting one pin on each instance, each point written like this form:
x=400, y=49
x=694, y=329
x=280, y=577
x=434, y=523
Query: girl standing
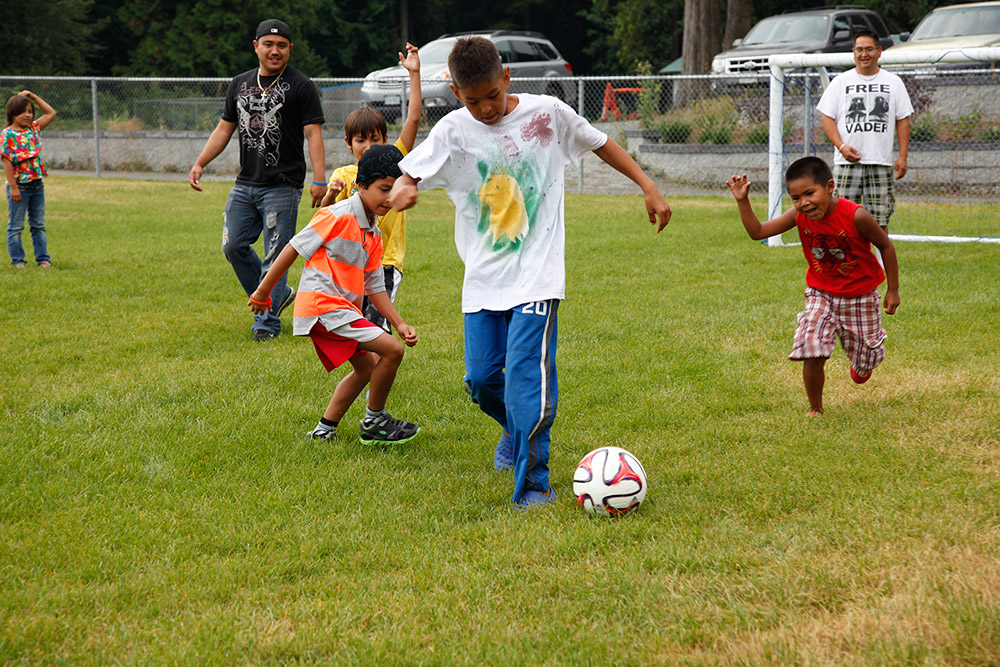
x=20, y=148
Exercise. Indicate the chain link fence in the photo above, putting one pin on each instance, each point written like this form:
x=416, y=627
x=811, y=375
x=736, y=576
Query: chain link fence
x=691, y=132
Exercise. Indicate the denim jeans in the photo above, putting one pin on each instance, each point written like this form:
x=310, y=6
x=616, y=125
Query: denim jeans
x=33, y=203
x=251, y=211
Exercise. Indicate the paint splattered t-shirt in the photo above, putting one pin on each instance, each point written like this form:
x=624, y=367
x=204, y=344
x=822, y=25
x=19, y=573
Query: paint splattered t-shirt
x=507, y=184
x=23, y=148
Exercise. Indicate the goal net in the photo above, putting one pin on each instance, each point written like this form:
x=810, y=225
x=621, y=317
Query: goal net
x=951, y=191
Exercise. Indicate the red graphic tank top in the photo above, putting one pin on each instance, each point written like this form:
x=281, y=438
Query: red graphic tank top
x=840, y=259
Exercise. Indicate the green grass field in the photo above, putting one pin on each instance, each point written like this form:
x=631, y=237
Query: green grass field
x=158, y=503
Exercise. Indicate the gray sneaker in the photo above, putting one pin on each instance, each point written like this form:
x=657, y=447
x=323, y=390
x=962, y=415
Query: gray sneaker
x=287, y=302
x=387, y=431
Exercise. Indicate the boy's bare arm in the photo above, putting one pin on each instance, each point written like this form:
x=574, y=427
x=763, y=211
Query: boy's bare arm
x=740, y=187
x=383, y=305
x=404, y=193
x=415, y=106
x=869, y=228
x=656, y=206
x=258, y=300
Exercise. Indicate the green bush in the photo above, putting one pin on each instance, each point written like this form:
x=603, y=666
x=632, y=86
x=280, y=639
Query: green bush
x=759, y=134
x=675, y=131
x=720, y=134
x=924, y=129
x=991, y=134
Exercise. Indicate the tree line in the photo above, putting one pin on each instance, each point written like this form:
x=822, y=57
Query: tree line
x=198, y=38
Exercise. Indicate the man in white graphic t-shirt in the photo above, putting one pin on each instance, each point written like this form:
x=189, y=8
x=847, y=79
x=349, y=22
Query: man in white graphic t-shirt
x=860, y=109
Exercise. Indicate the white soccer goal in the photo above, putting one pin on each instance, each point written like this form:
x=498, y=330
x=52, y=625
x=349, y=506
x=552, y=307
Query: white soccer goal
x=951, y=192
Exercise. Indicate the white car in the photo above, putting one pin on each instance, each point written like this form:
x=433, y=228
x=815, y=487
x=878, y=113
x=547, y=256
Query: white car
x=955, y=27
x=529, y=54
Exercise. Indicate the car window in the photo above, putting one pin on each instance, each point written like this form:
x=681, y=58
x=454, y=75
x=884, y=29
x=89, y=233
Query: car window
x=958, y=22
x=548, y=53
x=858, y=23
x=780, y=29
x=506, y=54
x=879, y=26
x=841, y=24
x=525, y=52
x=437, y=51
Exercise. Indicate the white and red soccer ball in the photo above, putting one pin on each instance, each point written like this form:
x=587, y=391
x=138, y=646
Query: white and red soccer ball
x=609, y=481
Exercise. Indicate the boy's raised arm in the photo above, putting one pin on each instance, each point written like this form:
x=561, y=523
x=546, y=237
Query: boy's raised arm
x=415, y=106
x=656, y=206
x=740, y=187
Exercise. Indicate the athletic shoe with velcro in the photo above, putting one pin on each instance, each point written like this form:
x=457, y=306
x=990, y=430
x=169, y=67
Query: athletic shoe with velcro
x=386, y=430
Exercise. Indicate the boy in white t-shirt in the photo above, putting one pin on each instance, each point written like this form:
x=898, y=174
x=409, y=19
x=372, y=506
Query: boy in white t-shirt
x=860, y=109
x=502, y=160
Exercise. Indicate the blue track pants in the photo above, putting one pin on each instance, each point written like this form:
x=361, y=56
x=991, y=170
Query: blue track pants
x=510, y=372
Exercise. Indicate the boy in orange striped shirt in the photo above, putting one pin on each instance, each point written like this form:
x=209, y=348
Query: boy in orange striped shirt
x=343, y=250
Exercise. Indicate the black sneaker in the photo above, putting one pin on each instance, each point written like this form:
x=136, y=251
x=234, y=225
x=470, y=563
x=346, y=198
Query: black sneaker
x=387, y=431
x=263, y=334
x=287, y=302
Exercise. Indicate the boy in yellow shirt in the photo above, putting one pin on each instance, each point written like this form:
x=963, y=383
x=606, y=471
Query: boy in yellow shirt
x=364, y=128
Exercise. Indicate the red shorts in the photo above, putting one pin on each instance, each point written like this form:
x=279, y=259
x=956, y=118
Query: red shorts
x=335, y=347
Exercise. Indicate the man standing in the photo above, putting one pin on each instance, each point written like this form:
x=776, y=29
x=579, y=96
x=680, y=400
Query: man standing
x=860, y=108
x=271, y=106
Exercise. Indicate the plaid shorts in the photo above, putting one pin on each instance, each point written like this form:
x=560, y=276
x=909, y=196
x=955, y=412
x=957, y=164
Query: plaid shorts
x=856, y=320
x=871, y=185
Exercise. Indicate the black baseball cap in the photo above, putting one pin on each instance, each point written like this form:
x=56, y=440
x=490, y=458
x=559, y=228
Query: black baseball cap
x=274, y=27
x=379, y=161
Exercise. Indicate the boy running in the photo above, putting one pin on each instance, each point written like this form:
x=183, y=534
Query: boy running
x=364, y=128
x=343, y=251
x=841, y=299
x=502, y=160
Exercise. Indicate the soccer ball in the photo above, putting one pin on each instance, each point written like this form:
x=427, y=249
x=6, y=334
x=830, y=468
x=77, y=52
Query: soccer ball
x=610, y=481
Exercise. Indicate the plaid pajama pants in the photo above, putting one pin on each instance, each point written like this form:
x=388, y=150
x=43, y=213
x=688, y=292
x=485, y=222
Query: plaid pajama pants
x=856, y=320
x=871, y=185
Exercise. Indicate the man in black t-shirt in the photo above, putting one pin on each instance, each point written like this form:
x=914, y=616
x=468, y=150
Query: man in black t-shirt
x=270, y=107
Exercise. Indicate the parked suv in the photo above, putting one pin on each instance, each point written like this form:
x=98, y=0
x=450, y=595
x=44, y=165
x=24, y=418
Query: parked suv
x=824, y=30
x=956, y=27
x=529, y=54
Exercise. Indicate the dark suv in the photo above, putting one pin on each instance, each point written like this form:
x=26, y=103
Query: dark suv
x=823, y=30
x=529, y=54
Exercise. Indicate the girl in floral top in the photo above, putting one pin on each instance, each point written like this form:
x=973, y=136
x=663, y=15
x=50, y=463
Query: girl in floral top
x=20, y=148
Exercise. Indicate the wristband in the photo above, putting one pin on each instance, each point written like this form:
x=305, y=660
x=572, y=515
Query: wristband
x=265, y=304
x=840, y=149
x=319, y=183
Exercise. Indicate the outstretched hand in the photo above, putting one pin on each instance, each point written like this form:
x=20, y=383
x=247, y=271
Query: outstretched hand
x=740, y=187
x=411, y=61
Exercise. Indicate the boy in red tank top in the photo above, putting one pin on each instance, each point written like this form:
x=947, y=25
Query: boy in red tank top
x=843, y=273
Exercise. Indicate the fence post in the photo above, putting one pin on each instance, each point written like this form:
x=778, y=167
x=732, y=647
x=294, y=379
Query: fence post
x=580, y=106
x=97, y=127
x=807, y=119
